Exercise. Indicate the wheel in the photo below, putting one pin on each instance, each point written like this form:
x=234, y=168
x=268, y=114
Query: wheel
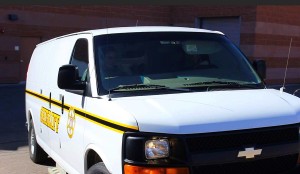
x=98, y=168
x=37, y=154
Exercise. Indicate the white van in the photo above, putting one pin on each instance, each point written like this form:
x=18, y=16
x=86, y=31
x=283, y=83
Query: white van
x=157, y=100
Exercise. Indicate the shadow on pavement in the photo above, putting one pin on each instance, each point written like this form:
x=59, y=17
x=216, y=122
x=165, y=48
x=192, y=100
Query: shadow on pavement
x=13, y=133
x=49, y=162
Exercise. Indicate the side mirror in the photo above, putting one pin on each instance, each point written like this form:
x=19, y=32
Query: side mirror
x=260, y=67
x=68, y=78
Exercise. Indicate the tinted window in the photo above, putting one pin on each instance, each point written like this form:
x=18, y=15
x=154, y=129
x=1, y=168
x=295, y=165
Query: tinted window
x=173, y=59
x=80, y=57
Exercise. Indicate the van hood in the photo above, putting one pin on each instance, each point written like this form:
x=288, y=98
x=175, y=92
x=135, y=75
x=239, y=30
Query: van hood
x=199, y=112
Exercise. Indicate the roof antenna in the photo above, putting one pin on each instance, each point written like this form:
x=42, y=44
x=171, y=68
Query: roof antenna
x=287, y=63
x=137, y=21
x=106, y=42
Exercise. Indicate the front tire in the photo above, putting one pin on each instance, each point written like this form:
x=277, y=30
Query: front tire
x=37, y=154
x=98, y=168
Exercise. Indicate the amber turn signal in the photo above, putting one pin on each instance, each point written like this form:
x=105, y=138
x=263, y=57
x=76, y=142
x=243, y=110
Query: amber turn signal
x=129, y=169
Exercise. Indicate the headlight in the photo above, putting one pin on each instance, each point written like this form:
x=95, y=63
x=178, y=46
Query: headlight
x=155, y=149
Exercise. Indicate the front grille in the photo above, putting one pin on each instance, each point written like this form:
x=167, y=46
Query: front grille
x=239, y=139
x=264, y=166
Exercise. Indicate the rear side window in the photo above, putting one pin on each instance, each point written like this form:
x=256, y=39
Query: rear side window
x=80, y=58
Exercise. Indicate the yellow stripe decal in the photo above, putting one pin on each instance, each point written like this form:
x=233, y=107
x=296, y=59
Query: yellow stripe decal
x=96, y=119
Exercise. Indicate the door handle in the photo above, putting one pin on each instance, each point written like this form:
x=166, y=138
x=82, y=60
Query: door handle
x=62, y=104
x=50, y=100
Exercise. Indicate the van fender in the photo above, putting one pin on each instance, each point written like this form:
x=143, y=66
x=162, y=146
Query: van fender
x=28, y=117
x=99, y=152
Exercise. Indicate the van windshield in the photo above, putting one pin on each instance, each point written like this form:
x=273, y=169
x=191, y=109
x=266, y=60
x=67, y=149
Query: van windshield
x=135, y=61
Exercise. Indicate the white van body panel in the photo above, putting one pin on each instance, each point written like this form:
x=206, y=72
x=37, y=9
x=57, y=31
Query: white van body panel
x=139, y=29
x=204, y=112
x=149, y=29
x=101, y=121
x=42, y=78
x=60, y=147
x=108, y=145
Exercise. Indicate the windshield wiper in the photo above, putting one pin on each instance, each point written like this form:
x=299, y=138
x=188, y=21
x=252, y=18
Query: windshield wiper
x=137, y=87
x=223, y=83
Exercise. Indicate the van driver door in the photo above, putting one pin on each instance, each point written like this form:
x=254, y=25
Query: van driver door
x=67, y=143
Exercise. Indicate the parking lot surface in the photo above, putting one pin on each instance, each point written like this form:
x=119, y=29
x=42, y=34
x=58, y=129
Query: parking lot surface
x=14, y=155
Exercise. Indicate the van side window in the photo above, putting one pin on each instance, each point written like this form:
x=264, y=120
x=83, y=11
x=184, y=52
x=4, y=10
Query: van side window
x=80, y=58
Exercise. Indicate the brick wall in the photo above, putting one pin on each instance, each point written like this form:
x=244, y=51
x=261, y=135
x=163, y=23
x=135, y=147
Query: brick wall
x=265, y=34
x=265, y=30
x=46, y=22
x=275, y=26
x=50, y=21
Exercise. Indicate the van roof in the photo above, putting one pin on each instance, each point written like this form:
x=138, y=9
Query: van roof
x=137, y=29
x=148, y=29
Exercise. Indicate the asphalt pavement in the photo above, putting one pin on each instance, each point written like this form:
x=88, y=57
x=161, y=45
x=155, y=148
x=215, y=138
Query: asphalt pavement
x=14, y=154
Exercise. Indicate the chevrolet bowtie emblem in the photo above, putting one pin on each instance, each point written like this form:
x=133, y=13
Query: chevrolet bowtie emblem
x=249, y=152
